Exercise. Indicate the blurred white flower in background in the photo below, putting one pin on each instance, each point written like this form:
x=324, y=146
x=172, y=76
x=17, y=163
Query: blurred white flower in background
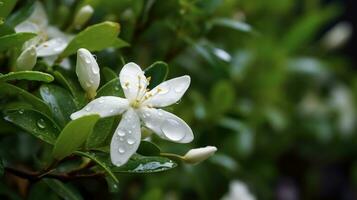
x=338, y=35
x=238, y=191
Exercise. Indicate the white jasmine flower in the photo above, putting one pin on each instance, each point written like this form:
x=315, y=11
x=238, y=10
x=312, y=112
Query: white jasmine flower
x=87, y=70
x=238, y=191
x=197, y=155
x=141, y=105
x=82, y=16
x=50, y=41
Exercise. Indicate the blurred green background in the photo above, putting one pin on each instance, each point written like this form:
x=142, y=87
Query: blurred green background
x=273, y=88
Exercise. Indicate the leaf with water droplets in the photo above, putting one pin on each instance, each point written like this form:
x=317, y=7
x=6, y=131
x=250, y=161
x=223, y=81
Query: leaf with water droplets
x=27, y=75
x=88, y=38
x=60, y=102
x=38, y=104
x=101, y=159
x=74, y=135
x=157, y=72
x=35, y=123
x=101, y=133
x=145, y=164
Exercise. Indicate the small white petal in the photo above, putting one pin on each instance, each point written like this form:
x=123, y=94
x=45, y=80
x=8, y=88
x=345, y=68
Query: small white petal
x=166, y=125
x=54, y=32
x=51, y=47
x=28, y=27
x=133, y=81
x=39, y=15
x=199, y=154
x=103, y=106
x=126, y=138
x=87, y=71
x=27, y=59
x=168, y=92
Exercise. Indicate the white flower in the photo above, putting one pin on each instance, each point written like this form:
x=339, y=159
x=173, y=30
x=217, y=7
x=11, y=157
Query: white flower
x=238, y=191
x=139, y=106
x=82, y=16
x=50, y=41
x=199, y=154
x=87, y=70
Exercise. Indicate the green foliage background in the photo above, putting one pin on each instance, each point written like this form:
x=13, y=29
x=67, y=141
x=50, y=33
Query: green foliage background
x=254, y=65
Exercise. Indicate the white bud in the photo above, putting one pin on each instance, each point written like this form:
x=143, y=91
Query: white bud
x=87, y=70
x=194, y=156
x=27, y=59
x=338, y=35
x=82, y=16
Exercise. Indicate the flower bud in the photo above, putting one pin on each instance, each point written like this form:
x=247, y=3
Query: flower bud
x=87, y=70
x=194, y=156
x=27, y=59
x=82, y=16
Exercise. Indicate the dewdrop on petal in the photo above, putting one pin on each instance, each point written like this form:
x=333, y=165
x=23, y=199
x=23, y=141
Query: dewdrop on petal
x=87, y=70
x=27, y=59
x=198, y=155
x=82, y=16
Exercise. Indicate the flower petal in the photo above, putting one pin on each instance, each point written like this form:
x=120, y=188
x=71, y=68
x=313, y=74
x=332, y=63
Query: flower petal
x=103, y=106
x=28, y=27
x=51, y=47
x=166, y=125
x=39, y=15
x=126, y=138
x=168, y=92
x=133, y=81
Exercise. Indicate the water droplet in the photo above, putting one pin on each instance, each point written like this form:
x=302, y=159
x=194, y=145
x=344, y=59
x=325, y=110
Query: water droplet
x=118, y=163
x=130, y=141
x=179, y=89
x=129, y=131
x=87, y=60
x=116, y=88
x=94, y=56
x=58, y=49
x=121, y=150
x=41, y=123
x=121, y=139
x=21, y=112
x=172, y=130
x=121, y=133
x=88, y=108
x=147, y=114
x=111, y=111
x=95, y=70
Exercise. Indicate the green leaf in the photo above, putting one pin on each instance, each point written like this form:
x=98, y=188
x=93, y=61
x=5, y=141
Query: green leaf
x=8, y=89
x=230, y=23
x=109, y=74
x=148, y=149
x=21, y=14
x=101, y=133
x=62, y=190
x=6, y=7
x=78, y=94
x=112, y=88
x=35, y=123
x=14, y=40
x=305, y=29
x=95, y=38
x=74, y=135
x=27, y=75
x=101, y=160
x=157, y=72
x=143, y=164
x=60, y=102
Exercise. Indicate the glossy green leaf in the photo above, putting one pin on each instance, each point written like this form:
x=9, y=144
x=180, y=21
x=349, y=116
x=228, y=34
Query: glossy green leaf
x=147, y=148
x=21, y=14
x=74, y=135
x=143, y=164
x=27, y=75
x=14, y=40
x=112, y=88
x=62, y=189
x=157, y=72
x=6, y=7
x=101, y=133
x=35, y=123
x=8, y=89
x=109, y=74
x=78, y=94
x=95, y=38
x=230, y=23
x=101, y=160
x=60, y=102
